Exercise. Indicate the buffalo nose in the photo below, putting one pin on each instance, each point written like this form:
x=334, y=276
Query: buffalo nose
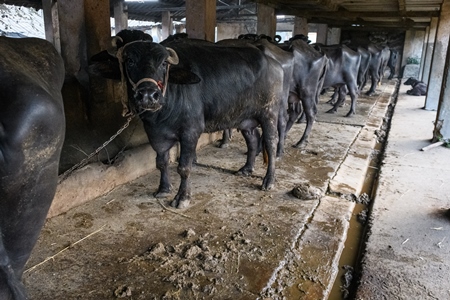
x=149, y=95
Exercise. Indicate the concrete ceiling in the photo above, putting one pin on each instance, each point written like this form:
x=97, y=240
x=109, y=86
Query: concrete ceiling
x=357, y=14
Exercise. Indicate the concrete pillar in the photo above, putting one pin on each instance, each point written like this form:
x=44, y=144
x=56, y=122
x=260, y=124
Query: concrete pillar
x=322, y=31
x=300, y=26
x=424, y=52
x=167, y=27
x=180, y=28
x=267, y=21
x=333, y=36
x=51, y=23
x=442, y=124
x=429, y=49
x=201, y=19
x=439, y=55
x=120, y=16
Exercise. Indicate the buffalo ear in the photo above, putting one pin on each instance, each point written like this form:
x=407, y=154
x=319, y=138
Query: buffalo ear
x=182, y=76
x=104, y=65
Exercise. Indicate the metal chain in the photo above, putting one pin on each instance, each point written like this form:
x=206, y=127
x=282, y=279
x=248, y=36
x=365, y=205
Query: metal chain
x=84, y=161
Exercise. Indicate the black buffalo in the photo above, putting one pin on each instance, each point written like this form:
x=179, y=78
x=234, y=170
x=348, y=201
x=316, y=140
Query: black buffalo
x=366, y=56
x=304, y=72
x=285, y=59
x=307, y=80
x=378, y=62
x=32, y=128
x=419, y=88
x=181, y=90
x=342, y=73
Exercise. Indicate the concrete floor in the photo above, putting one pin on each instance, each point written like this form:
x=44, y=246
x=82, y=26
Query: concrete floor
x=266, y=245
x=408, y=250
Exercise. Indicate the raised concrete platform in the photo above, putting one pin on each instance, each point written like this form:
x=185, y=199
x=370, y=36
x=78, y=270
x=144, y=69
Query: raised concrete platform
x=234, y=241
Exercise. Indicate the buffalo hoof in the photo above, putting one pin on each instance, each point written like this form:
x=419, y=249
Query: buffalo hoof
x=224, y=145
x=279, y=154
x=268, y=183
x=302, y=119
x=370, y=93
x=161, y=194
x=180, y=204
x=331, y=111
x=300, y=145
x=245, y=171
x=350, y=114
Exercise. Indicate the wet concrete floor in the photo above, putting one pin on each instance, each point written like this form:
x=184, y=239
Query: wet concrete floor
x=234, y=241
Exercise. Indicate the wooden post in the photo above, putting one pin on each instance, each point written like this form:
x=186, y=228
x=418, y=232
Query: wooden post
x=201, y=19
x=267, y=21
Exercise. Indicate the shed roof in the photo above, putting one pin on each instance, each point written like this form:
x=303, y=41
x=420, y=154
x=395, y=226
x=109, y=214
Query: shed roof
x=395, y=14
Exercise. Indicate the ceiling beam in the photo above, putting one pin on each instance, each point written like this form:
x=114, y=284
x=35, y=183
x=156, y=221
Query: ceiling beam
x=183, y=8
x=408, y=23
x=360, y=14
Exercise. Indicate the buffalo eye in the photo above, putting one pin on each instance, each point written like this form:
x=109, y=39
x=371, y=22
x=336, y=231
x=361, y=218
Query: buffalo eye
x=130, y=62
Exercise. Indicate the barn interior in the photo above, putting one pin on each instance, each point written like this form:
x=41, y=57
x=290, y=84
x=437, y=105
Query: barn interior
x=106, y=236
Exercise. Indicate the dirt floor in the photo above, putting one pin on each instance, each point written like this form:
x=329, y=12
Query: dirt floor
x=233, y=242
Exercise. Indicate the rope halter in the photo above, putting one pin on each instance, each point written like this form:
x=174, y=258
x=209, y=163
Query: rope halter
x=162, y=86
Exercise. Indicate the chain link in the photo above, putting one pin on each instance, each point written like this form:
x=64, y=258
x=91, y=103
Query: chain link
x=85, y=161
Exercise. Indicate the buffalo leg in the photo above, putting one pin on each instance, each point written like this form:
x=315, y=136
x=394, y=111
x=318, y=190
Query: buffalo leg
x=342, y=93
x=375, y=79
x=10, y=285
x=187, y=153
x=353, y=91
x=252, y=139
x=392, y=72
x=281, y=126
x=294, y=110
x=310, y=111
x=270, y=138
x=334, y=97
x=226, y=138
x=162, y=164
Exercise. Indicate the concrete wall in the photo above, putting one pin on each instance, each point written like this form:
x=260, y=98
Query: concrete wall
x=414, y=40
x=233, y=30
x=97, y=179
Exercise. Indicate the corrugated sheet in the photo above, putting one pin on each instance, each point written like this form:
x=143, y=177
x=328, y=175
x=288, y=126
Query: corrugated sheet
x=19, y=21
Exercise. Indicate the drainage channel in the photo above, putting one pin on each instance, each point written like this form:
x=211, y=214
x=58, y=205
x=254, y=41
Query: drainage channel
x=349, y=260
x=345, y=285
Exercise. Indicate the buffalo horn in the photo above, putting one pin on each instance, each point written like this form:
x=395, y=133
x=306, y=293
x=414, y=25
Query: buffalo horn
x=113, y=50
x=173, y=57
x=115, y=39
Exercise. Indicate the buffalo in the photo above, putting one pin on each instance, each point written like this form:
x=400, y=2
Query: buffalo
x=378, y=62
x=419, y=88
x=304, y=71
x=342, y=73
x=180, y=90
x=308, y=77
x=32, y=128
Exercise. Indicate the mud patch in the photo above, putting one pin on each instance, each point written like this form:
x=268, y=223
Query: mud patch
x=305, y=191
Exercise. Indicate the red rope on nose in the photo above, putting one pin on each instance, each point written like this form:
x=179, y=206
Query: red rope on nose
x=160, y=85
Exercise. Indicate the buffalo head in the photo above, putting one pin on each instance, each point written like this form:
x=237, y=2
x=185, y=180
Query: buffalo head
x=146, y=69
